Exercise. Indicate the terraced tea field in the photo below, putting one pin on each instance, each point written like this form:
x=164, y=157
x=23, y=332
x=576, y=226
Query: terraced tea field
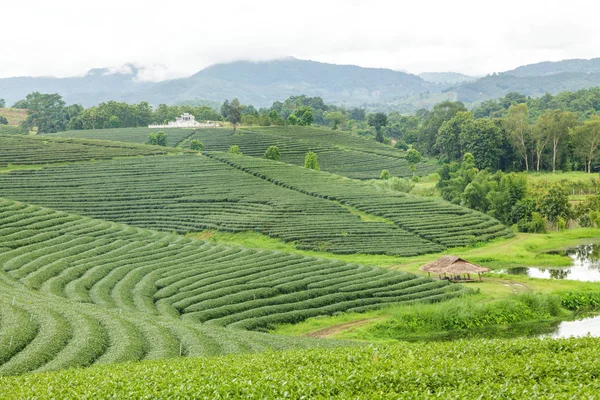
x=35, y=150
x=339, y=152
x=131, y=135
x=192, y=193
x=76, y=291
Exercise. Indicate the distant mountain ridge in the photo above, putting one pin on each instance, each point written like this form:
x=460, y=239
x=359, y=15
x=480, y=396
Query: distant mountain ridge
x=257, y=83
x=263, y=82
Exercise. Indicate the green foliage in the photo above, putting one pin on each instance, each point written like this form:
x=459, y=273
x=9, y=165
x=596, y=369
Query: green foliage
x=581, y=301
x=46, y=112
x=2, y=103
x=466, y=314
x=235, y=114
x=462, y=369
x=3, y=120
x=310, y=161
x=385, y=175
x=196, y=145
x=273, y=153
x=234, y=150
x=378, y=121
x=157, y=139
x=335, y=119
x=292, y=120
x=304, y=116
x=413, y=156
x=554, y=204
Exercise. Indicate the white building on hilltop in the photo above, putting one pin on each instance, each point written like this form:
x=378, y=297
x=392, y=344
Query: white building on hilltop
x=187, y=121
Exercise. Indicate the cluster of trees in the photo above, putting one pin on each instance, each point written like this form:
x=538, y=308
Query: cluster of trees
x=49, y=113
x=511, y=199
x=555, y=139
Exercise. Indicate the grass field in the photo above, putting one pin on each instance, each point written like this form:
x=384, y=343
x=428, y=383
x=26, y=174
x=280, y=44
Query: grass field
x=482, y=369
x=14, y=115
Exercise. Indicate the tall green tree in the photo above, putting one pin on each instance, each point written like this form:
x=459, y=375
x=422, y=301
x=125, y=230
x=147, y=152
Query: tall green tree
x=46, y=112
x=554, y=126
x=448, y=141
x=2, y=103
x=518, y=129
x=235, y=114
x=335, y=119
x=587, y=141
x=483, y=139
x=377, y=121
x=440, y=113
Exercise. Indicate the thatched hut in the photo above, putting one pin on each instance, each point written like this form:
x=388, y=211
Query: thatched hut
x=454, y=269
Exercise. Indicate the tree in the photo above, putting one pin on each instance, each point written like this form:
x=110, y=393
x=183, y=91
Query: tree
x=483, y=139
x=357, y=114
x=552, y=127
x=225, y=110
x=3, y=120
x=2, y=103
x=21, y=104
x=554, y=204
x=234, y=150
x=441, y=113
x=157, y=139
x=196, y=145
x=292, y=120
x=518, y=129
x=235, y=114
x=378, y=121
x=413, y=156
x=114, y=122
x=46, y=112
x=385, y=175
x=304, y=115
x=448, y=141
x=272, y=153
x=335, y=118
x=310, y=161
x=587, y=140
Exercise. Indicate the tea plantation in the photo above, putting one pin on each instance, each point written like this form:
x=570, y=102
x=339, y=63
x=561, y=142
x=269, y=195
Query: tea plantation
x=473, y=369
x=36, y=150
x=193, y=193
x=77, y=291
x=339, y=152
x=175, y=136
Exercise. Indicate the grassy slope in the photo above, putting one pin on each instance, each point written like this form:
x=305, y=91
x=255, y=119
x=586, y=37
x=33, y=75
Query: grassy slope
x=485, y=369
x=14, y=115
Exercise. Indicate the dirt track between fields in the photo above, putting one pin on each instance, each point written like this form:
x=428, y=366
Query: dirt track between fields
x=332, y=330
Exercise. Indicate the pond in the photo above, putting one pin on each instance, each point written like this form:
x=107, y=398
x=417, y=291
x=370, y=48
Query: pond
x=586, y=266
x=583, y=327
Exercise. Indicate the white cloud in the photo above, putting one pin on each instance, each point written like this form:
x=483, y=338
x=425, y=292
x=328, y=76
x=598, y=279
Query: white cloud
x=178, y=38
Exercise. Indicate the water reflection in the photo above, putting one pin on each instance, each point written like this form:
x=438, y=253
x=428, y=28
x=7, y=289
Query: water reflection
x=586, y=266
x=583, y=327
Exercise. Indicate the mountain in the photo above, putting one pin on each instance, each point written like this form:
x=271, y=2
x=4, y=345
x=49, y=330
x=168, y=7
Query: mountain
x=257, y=83
x=533, y=80
x=557, y=67
x=446, y=78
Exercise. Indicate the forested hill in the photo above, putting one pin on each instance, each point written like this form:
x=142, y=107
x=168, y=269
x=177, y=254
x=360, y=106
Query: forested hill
x=533, y=80
x=257, y=83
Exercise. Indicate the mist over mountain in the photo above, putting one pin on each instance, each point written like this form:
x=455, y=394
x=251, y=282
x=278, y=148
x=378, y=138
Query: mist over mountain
x=261, y=83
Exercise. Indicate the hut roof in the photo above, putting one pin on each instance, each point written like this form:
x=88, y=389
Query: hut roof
x=453, y=265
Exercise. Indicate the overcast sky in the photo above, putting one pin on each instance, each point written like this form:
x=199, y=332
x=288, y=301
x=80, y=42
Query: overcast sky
x=178, y=38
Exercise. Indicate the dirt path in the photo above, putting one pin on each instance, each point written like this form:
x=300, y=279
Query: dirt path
x=332, y=330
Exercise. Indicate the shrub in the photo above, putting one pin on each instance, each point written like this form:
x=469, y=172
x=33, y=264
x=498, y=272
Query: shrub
x=234, y=150
x=311, y=162
x=273, y=153
x=196, y=145
x=385, y=175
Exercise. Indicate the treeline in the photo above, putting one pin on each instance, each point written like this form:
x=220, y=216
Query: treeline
x=513, y=200
x=514, y=140
x=49, y=113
